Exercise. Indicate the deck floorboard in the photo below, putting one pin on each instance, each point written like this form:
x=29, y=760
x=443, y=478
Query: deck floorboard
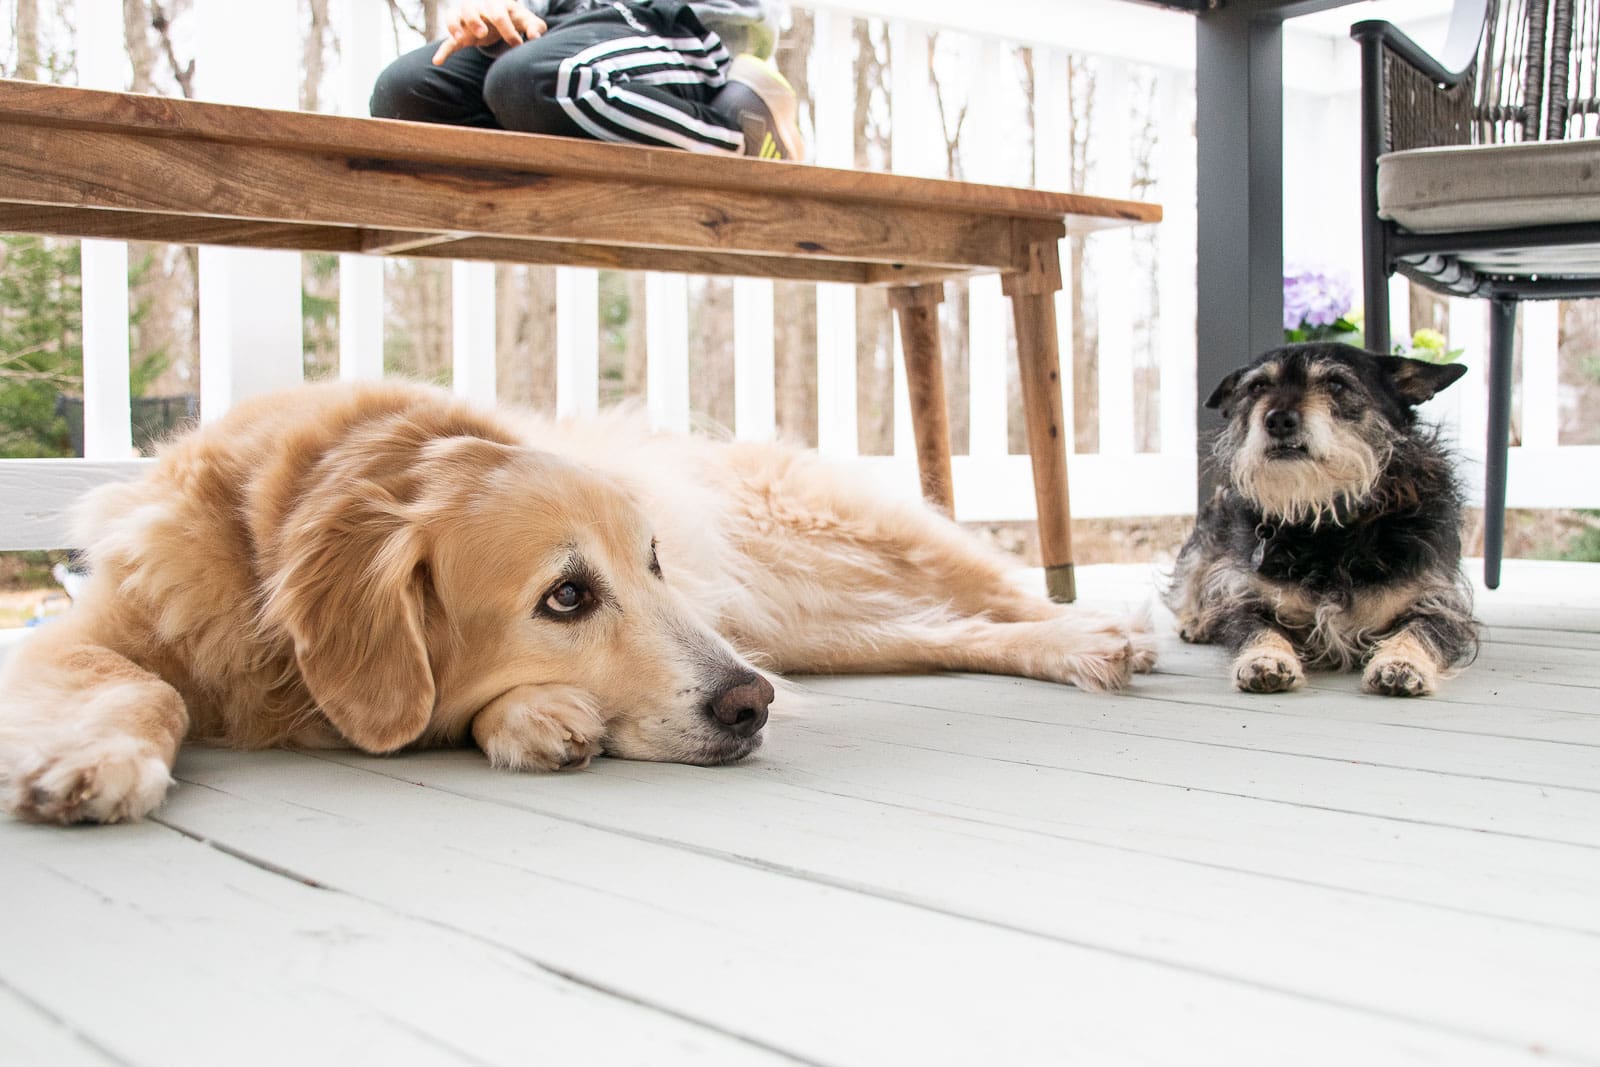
x=951, y=869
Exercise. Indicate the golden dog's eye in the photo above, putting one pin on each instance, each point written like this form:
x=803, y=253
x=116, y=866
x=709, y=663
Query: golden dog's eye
x=566, y=598
x=655, y=564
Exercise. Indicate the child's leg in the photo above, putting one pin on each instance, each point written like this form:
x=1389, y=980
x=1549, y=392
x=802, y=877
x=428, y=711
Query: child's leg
x=412, y=88
x=623, y=72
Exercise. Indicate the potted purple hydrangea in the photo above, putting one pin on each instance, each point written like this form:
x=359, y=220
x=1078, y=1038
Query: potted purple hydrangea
x=1316, y=306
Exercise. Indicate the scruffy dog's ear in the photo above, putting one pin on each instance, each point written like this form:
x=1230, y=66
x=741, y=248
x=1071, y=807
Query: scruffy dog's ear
x=349, y=591
x=1224, y=391
x=1417, y=380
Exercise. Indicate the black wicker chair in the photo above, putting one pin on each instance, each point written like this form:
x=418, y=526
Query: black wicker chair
x=1484, y=180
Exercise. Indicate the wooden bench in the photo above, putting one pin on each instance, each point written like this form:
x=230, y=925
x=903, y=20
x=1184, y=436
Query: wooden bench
x=80, y=163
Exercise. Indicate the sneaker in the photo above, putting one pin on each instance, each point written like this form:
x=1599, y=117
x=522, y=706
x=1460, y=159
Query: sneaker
x=762, y=104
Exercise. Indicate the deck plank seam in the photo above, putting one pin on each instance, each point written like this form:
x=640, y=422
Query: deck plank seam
x=929, y=907
x=554, y=971
x=1236, y=748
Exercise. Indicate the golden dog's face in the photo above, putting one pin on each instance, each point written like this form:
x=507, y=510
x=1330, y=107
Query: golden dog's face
x=554, y=579
x=513, y=571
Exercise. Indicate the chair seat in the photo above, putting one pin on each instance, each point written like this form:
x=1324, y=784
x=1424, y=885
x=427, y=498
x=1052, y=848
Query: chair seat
x=1493, y=187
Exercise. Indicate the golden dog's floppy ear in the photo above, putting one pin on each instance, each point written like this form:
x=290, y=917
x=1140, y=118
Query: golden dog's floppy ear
x=349, y=591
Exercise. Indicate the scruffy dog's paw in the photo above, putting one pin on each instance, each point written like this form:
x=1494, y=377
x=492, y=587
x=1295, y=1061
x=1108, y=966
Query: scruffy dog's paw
x=1189, y=629
x=107, y=780
x=1264, y=669
x=1394, y=676
x=540, y=728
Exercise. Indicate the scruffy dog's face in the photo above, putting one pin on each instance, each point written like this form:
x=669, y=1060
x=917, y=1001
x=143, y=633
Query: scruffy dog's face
x=1312, y=427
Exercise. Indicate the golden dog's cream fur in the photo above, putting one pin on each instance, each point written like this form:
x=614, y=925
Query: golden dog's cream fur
x=380, y=566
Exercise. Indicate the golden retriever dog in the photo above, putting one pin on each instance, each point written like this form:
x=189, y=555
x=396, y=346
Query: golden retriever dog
x=381, y=566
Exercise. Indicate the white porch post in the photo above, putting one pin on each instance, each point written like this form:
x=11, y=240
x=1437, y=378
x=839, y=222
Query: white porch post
x=577, y=341
x=360, y=277
x=834, y=97
x=755, y=355
x=250, y=321
x=667, y=350
x=473, y=323
x=107, y=422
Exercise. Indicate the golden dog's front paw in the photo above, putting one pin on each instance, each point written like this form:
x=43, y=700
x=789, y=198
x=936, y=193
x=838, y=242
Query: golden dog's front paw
x=1142, y=651
x=539, y=728
x=1106, y=659
x=1268, y=667
x=109, y=780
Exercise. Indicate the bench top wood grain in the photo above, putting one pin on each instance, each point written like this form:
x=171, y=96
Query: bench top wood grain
x=76, y=162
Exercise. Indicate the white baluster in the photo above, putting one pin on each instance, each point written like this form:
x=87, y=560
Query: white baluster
x=107, y=422
x=577, y=341
x=361, y=57
x=250, y=318
x=473, y=327
x=667, y=350
x=754, y=361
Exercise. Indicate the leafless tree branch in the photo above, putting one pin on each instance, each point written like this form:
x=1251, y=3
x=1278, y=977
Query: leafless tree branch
x=183, y=73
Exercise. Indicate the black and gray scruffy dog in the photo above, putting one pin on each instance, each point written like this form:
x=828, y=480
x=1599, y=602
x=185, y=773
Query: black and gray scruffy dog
x=1335, y=540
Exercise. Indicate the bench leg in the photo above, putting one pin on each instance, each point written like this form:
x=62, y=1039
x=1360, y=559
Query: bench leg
x=917, y=308
x=1032, y=292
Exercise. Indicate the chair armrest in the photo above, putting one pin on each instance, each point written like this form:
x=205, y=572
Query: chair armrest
x=1408, y=98
x=1389, y=37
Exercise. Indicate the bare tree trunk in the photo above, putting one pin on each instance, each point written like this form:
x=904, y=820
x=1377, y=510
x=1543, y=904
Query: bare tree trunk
x=417, y=320
x=27, y=40
x=635, y=352
x=162, y=282
x=795, y=303
x=525, y=335
x=1085, y=334
x=182, y=72
x=135, y=24
x=795, y=353
x=874, y=325
x=1016, y=421
x=711, y=357
x=316, y=44
x=957, y=337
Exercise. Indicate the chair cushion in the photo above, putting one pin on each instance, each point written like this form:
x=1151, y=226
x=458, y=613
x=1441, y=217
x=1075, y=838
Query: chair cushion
x=1490, y=187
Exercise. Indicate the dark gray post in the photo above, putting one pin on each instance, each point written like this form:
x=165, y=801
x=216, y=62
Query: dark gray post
x=1502, y=336
x=1239, y=125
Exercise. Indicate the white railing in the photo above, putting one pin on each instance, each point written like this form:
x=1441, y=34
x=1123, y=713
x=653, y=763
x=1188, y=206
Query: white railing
x=1143, y=316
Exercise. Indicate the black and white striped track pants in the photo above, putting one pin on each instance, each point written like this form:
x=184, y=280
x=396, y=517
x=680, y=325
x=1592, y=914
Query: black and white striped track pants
x=640, y=72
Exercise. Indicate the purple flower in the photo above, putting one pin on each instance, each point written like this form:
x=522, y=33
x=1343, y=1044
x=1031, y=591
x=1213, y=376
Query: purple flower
x=1314, y=297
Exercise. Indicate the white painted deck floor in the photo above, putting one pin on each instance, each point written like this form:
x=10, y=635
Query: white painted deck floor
x=927, y=870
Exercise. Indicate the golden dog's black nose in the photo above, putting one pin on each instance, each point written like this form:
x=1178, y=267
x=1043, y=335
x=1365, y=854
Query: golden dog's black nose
x=741, y=705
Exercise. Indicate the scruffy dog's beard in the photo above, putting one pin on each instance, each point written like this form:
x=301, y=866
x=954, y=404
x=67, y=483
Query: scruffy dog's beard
x=1331, y=469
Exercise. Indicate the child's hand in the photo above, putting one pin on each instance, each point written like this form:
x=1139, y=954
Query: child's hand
x=486, y=22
